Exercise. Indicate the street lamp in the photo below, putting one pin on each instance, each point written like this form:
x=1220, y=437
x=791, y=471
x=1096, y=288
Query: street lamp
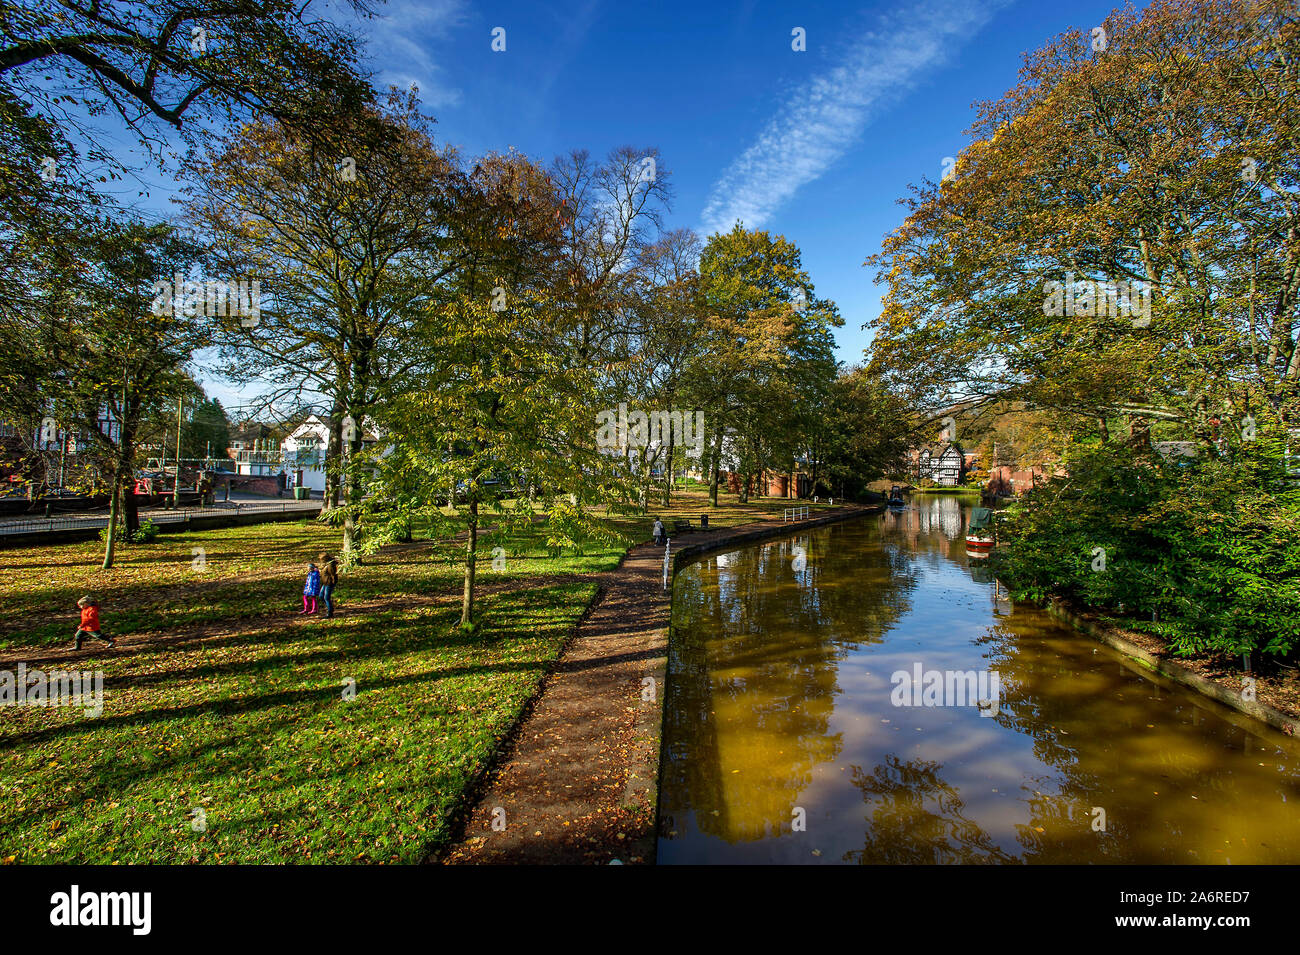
x=176, y=487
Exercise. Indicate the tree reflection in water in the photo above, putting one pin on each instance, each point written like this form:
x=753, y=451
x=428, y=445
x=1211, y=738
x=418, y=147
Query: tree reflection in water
x=772, y=672
x=916, y=818
x=778, y=698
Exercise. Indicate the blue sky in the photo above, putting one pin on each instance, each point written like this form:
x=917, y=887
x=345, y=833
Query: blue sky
x=816, y=145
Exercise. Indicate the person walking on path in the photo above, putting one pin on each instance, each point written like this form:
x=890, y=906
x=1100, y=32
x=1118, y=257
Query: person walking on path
x=89, y=625
x=659, y=532
x=328, y=579
x=310, y=589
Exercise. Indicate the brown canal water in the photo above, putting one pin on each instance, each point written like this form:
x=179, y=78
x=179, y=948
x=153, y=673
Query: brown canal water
x=786, y=739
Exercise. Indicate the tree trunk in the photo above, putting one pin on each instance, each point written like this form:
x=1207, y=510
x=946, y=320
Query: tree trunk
x=332, y=458
x=744, y=488
x=349, y=533
x=351, y=490
x=110, y=544
x=668, y=472
x=131, y=506
x=351, y=528
x=715, y=459
x=471, y=555
x=126, y=455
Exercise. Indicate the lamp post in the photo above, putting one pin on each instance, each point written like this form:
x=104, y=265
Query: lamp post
x=176, y=487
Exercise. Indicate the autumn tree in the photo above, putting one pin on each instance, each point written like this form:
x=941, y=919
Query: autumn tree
x=121, y=351
x=490, y=397
x=768, y=355
x=1119, y=246
x=175, y=64
x=611, y=210
x=1121, y=237
x=347, y=247
x=662, y=338
x=169, y=71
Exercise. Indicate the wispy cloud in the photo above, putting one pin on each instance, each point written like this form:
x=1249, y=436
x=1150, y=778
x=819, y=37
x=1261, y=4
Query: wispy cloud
x=401, y=37
x=824, y=117
x=576, y=24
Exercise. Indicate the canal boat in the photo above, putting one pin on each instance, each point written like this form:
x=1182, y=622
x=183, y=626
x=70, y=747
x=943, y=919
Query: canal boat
x=896, y=497
x=979, y=532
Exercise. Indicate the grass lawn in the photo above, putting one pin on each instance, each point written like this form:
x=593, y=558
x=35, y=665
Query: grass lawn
x=223, y=699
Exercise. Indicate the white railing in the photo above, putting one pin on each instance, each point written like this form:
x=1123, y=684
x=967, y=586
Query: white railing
x=668, y=549
x=795, y=514
x=273, y=458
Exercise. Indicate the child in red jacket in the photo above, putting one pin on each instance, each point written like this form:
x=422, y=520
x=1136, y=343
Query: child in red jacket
x=90, y=621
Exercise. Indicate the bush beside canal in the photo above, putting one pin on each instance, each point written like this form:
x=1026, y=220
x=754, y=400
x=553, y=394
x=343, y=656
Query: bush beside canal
x=1203, y=553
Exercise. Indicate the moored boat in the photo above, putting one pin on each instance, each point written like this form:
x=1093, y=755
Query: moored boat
x=979, y=532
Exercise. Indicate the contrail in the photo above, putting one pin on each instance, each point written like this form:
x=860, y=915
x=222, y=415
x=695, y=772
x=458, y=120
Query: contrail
x=824, y=117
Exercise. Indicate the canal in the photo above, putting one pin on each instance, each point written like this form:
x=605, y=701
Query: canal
x=796, y=729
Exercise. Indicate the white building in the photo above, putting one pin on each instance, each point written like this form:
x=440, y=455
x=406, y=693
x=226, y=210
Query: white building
x=305, y=449
x=255, y=450
x=944, y=465
x=304, y=453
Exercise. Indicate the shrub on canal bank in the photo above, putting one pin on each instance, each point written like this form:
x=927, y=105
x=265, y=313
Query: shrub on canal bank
x=1204, y=553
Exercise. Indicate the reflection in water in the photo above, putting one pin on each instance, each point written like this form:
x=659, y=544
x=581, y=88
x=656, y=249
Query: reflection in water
x=904, y=830
x=781, y=743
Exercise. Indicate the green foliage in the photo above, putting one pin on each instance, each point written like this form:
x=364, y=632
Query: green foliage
x=861, y=435
x=1204, y=552
x=769, y=362
x=208, y=430
x=144, y=534
x=254, y=727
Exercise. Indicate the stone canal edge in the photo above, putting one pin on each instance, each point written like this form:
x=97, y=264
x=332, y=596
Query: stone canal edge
x=1167, y=667
x=576, y=782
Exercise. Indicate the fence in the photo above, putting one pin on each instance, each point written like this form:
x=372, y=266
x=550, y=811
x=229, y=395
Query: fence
x=99, y=521
x=795, y=514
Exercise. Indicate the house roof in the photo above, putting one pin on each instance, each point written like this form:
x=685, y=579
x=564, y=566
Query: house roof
x=313, y=423
x=942, y=448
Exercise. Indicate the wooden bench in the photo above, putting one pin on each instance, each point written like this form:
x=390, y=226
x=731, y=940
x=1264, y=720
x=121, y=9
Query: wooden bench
x=681, y=527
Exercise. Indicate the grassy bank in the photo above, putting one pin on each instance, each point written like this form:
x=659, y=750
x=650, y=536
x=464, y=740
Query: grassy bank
x=222, y=699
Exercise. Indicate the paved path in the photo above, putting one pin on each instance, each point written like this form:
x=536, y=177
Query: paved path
x=577, y=784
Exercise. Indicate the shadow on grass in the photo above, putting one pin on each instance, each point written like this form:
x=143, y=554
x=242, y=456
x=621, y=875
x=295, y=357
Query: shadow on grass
x=254, y=703
x=501, y=626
